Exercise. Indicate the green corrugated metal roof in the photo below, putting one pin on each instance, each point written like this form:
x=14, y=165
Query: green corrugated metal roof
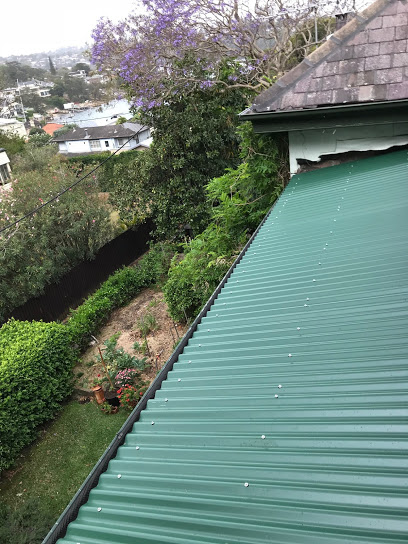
x=294, y=383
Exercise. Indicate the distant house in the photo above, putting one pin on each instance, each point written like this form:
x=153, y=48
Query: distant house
x=50, y=128
x=349, y=96
x=106, y=138
x=12, y=126
x=4, y=167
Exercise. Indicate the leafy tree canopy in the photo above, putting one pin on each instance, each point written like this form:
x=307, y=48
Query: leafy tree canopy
x=194, y=140
x=145, y=50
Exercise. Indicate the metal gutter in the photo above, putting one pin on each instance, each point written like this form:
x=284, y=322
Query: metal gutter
x=289, y=115
x=71, y=511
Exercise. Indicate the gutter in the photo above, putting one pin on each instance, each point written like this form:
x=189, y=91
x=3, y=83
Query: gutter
x=319, y=111
x=70, y=513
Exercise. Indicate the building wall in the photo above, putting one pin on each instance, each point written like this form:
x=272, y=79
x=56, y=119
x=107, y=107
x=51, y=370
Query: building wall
x=4, y=168
x=314, y=144
x=84, y=146
x=13, y=126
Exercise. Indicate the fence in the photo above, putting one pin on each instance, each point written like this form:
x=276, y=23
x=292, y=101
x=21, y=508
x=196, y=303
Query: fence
x=82, y=280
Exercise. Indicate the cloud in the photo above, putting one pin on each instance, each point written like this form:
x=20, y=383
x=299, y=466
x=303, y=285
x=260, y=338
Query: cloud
x=46, y=25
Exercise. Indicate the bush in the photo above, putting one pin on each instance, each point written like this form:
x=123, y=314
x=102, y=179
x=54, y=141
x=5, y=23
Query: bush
x=192, y=281
x=36, y=361
x=240, y=199
x=117, y=290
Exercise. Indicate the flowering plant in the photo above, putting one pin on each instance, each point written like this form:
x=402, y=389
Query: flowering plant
x=107, y=408
x=126, y=377
x=128, y=396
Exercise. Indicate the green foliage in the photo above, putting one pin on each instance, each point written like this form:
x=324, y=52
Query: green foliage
x=117, y=358
x=192, y=280
x=66, y=128
x=147, y=323
x=194, y=140
x=119, y=289
x=11, y=71
x=43, y=247
x=81, y=66
x=141, y=348
x=36, y=362
x=240, y=199
x=12, y=143
x=40, y=139
x=26, y=525
x=36, y=130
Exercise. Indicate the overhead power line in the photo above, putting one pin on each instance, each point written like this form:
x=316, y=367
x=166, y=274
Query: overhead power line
x=32, y=212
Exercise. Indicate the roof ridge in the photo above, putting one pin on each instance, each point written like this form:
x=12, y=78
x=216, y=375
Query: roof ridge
x=319, y=55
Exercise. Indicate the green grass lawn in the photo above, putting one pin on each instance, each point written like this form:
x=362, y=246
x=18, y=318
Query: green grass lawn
x=49, y=472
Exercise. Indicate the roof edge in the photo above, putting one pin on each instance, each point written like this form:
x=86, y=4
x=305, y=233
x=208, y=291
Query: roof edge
x=320, y=54
x=289, y=118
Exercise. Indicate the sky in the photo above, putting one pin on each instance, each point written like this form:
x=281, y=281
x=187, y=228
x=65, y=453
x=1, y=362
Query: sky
x=45, y=25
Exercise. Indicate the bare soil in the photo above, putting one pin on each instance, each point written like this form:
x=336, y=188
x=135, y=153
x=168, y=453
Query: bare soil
x=161, y=342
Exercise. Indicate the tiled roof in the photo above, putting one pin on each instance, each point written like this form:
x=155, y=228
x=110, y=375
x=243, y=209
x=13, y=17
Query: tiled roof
x=50, y=128
x=364, y=61
x=284, y=419
x=96, y=133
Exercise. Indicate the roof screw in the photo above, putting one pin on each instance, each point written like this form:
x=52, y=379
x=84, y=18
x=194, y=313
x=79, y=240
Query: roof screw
x=313, y=279
x=334, y=220
x=327, y=244
x=263, y=437
x=137, y=447
x=99, y=509
x=298, y=328
x=290, y=355
x=320, y=263
x=307, y=298
x=119, y=475
x=276, y=396
x=331, y=232
x=152, y=422
x=324, y=248
x=179, y=380
x=246, y=484
x=279, y=386
x=166, y=400
x=305, y=305
x=208, y=330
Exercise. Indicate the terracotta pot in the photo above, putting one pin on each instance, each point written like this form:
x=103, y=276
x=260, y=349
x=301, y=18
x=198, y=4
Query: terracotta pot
x=99, y=394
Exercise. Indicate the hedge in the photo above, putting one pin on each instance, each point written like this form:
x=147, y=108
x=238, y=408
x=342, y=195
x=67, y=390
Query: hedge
x=36, y=361
x=36, y=358
x=118, y=289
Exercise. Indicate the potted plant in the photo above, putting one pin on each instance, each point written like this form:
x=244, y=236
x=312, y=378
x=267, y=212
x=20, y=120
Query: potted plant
x=107, y=408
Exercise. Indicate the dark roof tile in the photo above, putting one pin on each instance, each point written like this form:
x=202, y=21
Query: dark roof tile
x=359, y=63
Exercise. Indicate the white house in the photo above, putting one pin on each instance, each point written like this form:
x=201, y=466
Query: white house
x=4, y=167
x=12, y=126
x=105, y=138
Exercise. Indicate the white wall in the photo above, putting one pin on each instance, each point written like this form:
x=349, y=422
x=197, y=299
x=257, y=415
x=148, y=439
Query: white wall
x=313, y=144
x=4, y=158
x=13, y=126
x=84, y=146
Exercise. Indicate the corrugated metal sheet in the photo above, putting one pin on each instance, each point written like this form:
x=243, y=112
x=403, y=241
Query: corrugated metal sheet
x=285, y=419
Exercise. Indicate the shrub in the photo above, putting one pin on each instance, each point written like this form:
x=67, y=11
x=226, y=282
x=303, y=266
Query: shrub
x=192, y=281
x=147, y=323
x=126, y=377
x=129, y=395
x=36, y=361
x=240, y=199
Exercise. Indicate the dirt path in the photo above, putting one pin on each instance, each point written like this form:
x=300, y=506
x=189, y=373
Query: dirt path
x=161, y=342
